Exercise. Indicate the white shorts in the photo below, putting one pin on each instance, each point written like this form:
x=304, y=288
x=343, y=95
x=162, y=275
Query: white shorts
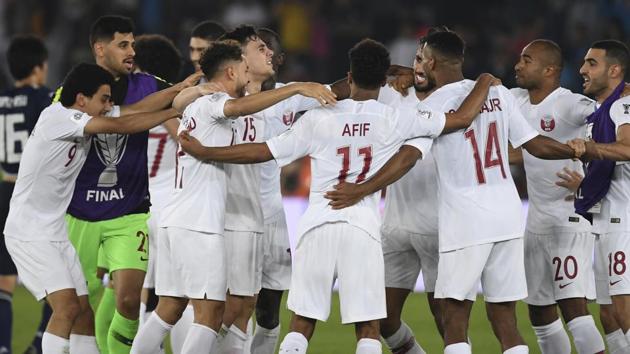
x=346, y=253
x=612, y=266
x=559, y=266
x=276, y=267
x=152, y=223
x=244, y=260
x=406, y=254
x=499, y=266
x=190, y=264
x=47, y=266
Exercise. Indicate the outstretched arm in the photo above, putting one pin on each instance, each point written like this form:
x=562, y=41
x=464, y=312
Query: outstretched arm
x=240, y=154
x=469, y=109
x=160, y=99
x=129, y=124
x=549, y=149
x=617, y=151
x=348, y=194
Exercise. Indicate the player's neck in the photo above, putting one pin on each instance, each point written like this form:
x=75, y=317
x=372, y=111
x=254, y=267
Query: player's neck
x=269, y=84
x=29, y=81
x=446, y=77
x=114, y=73
x=360, y=94
x=537, y=95
x=600, y=98
x=254, y=86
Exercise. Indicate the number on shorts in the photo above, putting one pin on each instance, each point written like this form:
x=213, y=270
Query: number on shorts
x=570, y=267
x=344, y=151
x=492, y=145
x=143, y=239
x=616, y=263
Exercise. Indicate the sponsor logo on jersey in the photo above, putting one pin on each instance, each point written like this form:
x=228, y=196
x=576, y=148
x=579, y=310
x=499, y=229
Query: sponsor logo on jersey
x=424, y=114
x=547, y=123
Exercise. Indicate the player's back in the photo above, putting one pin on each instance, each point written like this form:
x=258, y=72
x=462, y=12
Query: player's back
x=19, y=110
x=478, y=200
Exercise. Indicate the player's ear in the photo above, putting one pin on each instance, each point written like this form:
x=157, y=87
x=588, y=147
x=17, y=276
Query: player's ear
x=229, y=71
x=98, y=48
x=80, y=100
x=614, y=71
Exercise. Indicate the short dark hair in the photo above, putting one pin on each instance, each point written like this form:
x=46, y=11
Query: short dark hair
x=105, y=27
x=86, y=79
x=447, y=44
x=242, y=34
x=267, y=34
x=24, y=54
x=615, y=50
x=554, y=53
x=157, y=55
x=369, y=62
x=218, y=53
x=208, y=30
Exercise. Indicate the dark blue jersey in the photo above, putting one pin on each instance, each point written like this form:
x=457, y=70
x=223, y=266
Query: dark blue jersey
x=19, y=111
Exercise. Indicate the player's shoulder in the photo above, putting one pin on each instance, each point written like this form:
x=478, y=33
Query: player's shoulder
x=57, y=111
x=620, y=109
x=202, y=102
x=569, y=97
x=519, y=93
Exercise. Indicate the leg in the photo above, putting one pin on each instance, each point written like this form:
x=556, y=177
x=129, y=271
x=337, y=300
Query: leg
x=303, y=325
x=267, y=330
x=396, y=334
x=550, y=333
x=103, y=317
x=456, y=315
x=127, y=287
x=86, y=239
x=7, y=286
x=157, y=326
x=502, y=317
x=621, y=306
x=66, y=309
x=82, y=339
x=367, y=337
x=435, y=305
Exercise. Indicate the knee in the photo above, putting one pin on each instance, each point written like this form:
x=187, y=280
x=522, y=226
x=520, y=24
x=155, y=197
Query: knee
x=267, y=315
x=128, y=304
x=367, y=330
x=542, y=315
x=69, y=312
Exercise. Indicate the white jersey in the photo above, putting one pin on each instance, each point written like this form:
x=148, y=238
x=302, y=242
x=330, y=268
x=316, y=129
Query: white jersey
x=197, y=202
x=560, y=116
x=277, y=119
x=411, y=202
x=615, y=211
x=478, y=200
x=349, y=142
x=161, y=154
x=51, y=161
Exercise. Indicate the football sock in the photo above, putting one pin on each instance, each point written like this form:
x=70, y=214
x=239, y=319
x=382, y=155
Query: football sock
x=143, y=315
x=369, y=346
x=80, y=344
x=265, y=340
x=553, y=339
x=51, y=344
x=180, y=329
x=6, y=321
x=250, y=336
x=121, y=334
x=103, y=318
x=199, y=339
x=617, y=342
x=519, y=349
x=293, y=343
x=403, y=341
x=234, y=341
x=458, y=348
x=586, y=336
x=151, y=335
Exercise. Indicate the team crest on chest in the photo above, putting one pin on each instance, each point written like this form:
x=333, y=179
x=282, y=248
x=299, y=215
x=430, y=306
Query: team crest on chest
x=547, y=123
x=287, y=118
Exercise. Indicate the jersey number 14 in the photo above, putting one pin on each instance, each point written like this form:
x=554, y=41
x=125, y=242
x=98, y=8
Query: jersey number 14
x=492, y=149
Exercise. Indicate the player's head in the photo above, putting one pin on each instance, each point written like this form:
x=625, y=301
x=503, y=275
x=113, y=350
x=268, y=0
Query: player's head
x=224, y=62
x=272, y=40
x=540, y=61
x=202, y=35
x=255, y=50
x=111, y=39
x=442, y=51
x=369, y=61
x=157, y=55
x=87, y=87
x=28, y=58
x=420, y=82
x=605, y=66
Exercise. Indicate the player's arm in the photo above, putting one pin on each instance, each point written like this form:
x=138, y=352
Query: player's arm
x=240, y=154
x=549, y=149
x=171, y=127
x=188, y=95
x=401, y=81
x=515, y=156
x=347, y=194
x=469, y=109
x=257, y=102
x=129, y=124
x=617, y=151
x=160, y=99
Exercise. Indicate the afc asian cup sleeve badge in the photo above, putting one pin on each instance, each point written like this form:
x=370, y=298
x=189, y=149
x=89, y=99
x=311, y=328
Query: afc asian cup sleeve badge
x=287, y=118
x=547, y=123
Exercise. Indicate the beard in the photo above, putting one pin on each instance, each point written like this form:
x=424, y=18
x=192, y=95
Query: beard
x=427, y=86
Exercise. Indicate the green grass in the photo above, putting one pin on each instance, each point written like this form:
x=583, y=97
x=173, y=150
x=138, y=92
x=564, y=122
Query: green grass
x=330, y=337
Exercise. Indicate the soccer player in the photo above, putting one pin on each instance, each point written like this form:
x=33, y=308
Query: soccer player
x=602, y=195
x=35, y=231
x=192, y=256
x=20, y=107
x=202, y=35
x=110, y=204
x=558, y=242
x=479, y=208
x=347, y=141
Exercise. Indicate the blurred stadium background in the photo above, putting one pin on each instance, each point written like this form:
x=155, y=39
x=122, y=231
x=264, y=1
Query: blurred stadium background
x=316, y=35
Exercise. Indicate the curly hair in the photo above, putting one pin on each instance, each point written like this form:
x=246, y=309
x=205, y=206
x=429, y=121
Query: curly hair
x=369, y=61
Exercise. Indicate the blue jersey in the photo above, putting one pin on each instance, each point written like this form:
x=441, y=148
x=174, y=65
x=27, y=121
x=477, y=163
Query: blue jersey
x=19, y=111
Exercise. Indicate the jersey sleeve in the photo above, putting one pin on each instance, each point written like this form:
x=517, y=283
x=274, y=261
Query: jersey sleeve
x=293, y=143
x=70, y=126
x=387, y=95
x=575, y=108
x=519, y=131
x=620, y=112
x=421, y=121
x=422, y=144
x=213, y=105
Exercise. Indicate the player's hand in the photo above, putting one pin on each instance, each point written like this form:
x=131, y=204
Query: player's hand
x=494, y=81
x=191, y=145
x=345, y=194
x=401, y=83
x=570, y=180
x=318, y=92
x=209, y=88
x=191, y=80
x=578, y=146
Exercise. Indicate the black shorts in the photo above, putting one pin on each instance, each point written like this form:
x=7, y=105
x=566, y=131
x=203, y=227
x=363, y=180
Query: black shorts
x=7, y=267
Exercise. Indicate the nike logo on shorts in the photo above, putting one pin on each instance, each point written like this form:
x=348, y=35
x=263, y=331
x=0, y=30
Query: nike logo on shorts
x=144, y=259
x=562, y=286
x=614, y=282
